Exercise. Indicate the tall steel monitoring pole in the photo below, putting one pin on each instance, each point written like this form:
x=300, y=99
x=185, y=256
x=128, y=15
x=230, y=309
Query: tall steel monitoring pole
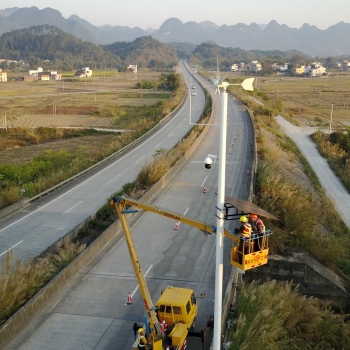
x=219, y=269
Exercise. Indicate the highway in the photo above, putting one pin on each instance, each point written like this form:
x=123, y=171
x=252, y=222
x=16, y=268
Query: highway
x=90, y=313
x=33, y=229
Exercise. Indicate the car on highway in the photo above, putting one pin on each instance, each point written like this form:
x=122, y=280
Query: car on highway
x=193, y=94
x=193, y=87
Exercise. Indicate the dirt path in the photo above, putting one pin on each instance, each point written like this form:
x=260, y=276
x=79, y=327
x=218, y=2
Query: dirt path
x=330, y=182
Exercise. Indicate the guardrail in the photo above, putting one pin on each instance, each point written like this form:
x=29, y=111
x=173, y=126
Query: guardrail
x=16, y=323
x=124, y=149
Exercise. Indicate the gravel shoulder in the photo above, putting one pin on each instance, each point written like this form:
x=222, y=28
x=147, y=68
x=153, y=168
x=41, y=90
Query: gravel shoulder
x=332, y=185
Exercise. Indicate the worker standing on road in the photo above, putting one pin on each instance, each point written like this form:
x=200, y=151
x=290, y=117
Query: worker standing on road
x=246, y=232
x=135, y=328
x=142, y=342
x=258, y=228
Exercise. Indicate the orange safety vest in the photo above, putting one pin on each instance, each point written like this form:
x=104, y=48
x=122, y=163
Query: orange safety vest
x=247, y=232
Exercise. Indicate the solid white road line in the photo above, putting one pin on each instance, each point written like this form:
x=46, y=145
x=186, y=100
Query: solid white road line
x=11, y=248
x=204, y=181
x=114, y=179
x=71, y=208
x=135, y=290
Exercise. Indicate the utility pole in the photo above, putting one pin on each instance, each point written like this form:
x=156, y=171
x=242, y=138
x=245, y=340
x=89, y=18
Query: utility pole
x=4, y=121
x=330, y=122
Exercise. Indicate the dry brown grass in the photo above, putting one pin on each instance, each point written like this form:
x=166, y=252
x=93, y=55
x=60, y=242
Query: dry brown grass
x=287, y=187
x=273, y=316
x=19, y=282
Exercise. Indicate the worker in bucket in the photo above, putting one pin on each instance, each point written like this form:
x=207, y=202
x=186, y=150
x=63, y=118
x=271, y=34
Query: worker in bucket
x=258, y=228
x=246, y=232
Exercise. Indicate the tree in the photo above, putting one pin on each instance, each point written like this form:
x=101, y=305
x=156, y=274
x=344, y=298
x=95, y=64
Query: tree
x=173, y=81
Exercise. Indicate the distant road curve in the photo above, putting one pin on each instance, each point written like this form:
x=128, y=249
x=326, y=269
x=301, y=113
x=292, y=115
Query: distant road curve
x=329, y=181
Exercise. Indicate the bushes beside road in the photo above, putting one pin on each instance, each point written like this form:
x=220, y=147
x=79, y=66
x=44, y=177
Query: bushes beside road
x=273, y=316
x=336, y=149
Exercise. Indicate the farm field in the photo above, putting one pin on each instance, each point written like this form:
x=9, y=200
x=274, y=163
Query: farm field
x=308, y=100
x=74, y=102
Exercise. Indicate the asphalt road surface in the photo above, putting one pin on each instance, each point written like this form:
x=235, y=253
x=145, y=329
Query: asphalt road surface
x=90, y=313
x=31, y=230
x=329, y=181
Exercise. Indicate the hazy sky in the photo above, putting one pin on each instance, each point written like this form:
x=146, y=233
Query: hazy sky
x=152, y=13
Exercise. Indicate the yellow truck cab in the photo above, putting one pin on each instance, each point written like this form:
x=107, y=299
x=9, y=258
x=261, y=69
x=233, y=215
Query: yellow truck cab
x=177, y=305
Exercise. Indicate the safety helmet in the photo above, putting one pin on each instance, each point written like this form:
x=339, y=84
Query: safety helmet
x=140, y=330
x=243, y=219
x=253, y=216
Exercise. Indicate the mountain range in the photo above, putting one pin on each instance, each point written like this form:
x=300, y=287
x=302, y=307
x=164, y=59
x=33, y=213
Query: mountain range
x=333, y=41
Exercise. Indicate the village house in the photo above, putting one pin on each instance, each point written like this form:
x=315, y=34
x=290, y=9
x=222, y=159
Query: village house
x=298, y=70
x=79, y=74
x=345, y=65
x=35, y=72
x=315, y=69
x=3, y=75
x=254, y=66
x=45, y=76
x=55, y=76
x=132, y=68
x=242, y=67
x=85, y=72
x=280, y=67
x=234, y=67
x=39, y=74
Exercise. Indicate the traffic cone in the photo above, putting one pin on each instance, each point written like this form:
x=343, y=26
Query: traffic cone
x=129, y=299
x=176, y=226
x=204, y=190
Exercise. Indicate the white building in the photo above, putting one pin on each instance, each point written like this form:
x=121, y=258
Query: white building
x=132, y=68
x=3, y=75
x=234, y=68
x=87, y=71
x=35, y=71
x=280, y=67
x=345, y=64
x=315, y=69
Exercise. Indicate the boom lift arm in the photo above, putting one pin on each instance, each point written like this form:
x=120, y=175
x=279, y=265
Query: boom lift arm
x=206, y=228
x=239, y=259
x=154, y=325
